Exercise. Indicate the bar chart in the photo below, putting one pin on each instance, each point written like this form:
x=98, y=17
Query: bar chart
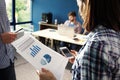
x=34, y=50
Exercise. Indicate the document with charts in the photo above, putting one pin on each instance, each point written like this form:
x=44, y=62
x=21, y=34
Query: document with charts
x=41, y=56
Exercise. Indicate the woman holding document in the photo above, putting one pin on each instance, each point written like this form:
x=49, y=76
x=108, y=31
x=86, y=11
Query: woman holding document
x=99, y=58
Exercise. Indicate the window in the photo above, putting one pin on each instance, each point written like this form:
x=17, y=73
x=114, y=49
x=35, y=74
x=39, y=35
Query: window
x=19, y=13
x=9, y=9
x=23, y=10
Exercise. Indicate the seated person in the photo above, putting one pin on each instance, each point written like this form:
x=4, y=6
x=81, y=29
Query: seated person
x=72, y=22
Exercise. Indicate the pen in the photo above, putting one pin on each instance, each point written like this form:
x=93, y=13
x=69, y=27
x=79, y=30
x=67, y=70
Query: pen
x=18, y=30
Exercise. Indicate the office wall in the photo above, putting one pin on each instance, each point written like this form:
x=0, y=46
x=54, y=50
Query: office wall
x=58, y=8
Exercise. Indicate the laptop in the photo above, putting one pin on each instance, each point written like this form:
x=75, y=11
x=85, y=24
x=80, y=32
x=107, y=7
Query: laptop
x=66, y=30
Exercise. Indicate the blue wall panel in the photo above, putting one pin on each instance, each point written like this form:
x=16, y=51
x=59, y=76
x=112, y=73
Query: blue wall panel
x=58, y=8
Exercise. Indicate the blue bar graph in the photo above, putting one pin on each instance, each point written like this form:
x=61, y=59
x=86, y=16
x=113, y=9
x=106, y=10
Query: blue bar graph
x=34, y=50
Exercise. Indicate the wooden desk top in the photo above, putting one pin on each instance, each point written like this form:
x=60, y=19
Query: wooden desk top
x=53, y=34
x=44, y=25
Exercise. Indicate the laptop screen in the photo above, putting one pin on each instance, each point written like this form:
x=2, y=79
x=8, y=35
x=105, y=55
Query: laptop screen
x=66, y=30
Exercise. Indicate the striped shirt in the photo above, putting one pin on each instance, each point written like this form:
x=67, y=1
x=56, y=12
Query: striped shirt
x=6, y=50
x=99, y=58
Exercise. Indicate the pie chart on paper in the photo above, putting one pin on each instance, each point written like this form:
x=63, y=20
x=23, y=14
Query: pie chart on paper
x=45, y=59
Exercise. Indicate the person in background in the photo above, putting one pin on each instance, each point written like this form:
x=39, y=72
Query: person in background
x=72, y=22
x=7, y=71
x=99, y=58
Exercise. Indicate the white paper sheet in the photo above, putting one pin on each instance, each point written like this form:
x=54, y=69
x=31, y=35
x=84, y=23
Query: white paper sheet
x=41, y=56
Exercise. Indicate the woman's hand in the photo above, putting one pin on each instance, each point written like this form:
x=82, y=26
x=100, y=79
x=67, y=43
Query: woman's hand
x=45, y=74
x=8, y=37
x=74, y=53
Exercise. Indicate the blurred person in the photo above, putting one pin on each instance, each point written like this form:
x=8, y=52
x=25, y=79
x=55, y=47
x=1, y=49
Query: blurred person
x=99, y=58
x=7, y=71
x=72, y=22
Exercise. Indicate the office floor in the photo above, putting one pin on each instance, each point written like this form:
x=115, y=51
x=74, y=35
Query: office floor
x=25, y=71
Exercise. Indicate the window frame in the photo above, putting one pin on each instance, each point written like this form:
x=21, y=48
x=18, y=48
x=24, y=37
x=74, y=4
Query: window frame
x=14, y=23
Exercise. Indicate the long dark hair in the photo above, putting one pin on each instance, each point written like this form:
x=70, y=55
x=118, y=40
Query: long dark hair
x=102, y=12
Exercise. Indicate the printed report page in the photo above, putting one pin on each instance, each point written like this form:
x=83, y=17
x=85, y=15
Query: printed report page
x=41, y=56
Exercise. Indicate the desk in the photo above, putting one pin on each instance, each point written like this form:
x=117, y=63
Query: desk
x=46, y=25
x=53, y=34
